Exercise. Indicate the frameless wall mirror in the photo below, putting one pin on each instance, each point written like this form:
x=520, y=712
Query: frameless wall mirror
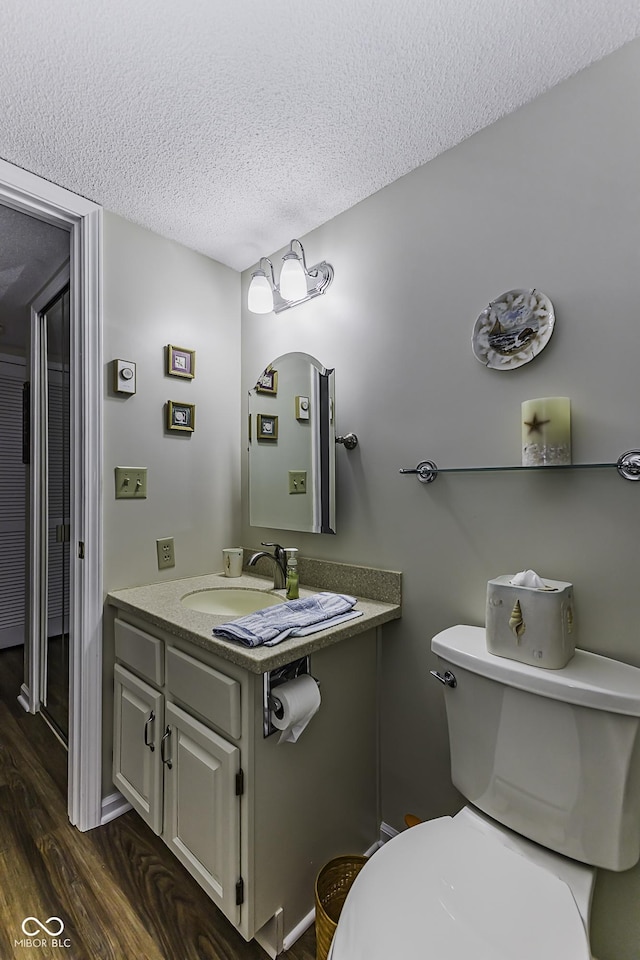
x=292, y=446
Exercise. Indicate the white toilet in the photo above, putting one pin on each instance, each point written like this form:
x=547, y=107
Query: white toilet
x=550, y=762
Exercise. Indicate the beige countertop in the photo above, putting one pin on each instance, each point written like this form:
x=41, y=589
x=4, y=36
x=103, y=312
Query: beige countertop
x=159, y=604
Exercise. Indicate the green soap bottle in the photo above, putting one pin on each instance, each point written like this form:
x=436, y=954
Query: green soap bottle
x=293, y=590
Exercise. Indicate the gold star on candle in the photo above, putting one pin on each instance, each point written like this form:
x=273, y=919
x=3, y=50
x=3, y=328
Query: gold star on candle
x=535, y=425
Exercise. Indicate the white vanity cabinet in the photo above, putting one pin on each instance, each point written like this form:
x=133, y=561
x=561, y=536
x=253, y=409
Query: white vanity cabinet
x=178, y=773
x=252, y=819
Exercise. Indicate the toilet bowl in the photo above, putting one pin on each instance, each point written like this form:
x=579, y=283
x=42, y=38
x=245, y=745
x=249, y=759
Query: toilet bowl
x=511, y=876
x=463, y=888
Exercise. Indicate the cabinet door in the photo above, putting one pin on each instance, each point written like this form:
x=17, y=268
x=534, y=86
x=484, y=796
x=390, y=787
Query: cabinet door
x=138, y=727
x=202, y=810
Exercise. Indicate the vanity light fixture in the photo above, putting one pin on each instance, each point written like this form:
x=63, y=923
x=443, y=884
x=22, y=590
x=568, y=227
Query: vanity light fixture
x=260, y=297
x=298, y=282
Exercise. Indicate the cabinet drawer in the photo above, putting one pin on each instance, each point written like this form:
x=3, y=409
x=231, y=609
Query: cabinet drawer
x=204, y=690
x=140, y=651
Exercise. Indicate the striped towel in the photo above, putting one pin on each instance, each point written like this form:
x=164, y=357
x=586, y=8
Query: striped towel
x=295, y=618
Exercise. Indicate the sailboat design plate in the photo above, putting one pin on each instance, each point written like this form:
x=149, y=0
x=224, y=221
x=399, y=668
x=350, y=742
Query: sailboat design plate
x=513, y=329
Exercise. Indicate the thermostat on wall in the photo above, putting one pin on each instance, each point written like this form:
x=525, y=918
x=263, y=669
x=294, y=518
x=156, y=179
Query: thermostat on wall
x=302, y=408
x=124, y=376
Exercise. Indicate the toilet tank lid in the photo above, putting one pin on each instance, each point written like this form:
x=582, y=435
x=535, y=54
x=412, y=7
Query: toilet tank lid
x=588, y=680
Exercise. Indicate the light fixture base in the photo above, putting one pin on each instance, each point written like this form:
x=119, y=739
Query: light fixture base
x=319, y=279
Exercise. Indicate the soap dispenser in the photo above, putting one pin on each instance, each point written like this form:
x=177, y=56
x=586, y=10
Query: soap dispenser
x=292, y=573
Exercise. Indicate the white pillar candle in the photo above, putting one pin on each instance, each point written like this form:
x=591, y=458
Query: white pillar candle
x=546, y=431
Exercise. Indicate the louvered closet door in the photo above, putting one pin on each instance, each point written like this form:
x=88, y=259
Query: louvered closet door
x=13, y=494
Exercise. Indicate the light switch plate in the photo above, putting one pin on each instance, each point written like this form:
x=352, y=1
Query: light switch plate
x=124, y=376
x=131, y=483
x=297, y=481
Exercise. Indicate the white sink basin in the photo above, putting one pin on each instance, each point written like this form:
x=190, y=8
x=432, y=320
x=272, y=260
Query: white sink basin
x=230, y=601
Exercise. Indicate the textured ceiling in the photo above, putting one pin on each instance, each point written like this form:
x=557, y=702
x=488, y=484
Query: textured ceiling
x=233, y=126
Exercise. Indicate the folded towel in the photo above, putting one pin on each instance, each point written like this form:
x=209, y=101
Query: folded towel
x=295, y=618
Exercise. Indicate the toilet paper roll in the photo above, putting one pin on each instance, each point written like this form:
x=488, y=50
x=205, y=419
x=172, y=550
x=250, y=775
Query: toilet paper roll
x=300, y=699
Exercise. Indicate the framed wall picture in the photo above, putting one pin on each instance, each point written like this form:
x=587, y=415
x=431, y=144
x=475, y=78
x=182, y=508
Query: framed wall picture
x=181, y=416
x=181, y=362
x=266, y=427
x=268, y=382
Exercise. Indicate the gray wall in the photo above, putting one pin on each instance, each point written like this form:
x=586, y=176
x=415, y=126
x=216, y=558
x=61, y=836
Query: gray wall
x=158, y=292
x=548, y=198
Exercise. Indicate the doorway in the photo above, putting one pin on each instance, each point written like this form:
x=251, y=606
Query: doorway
x=31, y=253
x=82, y=219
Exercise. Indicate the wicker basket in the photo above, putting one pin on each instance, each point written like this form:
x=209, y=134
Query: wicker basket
x=332, y=886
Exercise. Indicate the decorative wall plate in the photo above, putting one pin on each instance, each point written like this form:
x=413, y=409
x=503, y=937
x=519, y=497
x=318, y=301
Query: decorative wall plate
x=513, y=329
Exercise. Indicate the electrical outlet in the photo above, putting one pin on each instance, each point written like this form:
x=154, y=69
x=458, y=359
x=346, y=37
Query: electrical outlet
x=297, y=481
x=166, y=553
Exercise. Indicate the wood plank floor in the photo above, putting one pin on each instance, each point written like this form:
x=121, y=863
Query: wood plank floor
x=118, y=890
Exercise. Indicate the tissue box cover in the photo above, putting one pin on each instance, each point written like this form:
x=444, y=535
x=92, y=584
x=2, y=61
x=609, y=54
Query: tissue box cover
x=532, y=625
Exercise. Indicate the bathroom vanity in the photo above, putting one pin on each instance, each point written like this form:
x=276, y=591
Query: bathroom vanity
x=252, y=819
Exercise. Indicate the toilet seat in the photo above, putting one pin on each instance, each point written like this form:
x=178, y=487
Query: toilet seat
x=447, y=890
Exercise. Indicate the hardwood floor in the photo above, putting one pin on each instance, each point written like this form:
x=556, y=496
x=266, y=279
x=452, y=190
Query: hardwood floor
x=118, y=890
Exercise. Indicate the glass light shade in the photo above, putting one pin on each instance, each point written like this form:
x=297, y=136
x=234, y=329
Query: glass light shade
x=260, y=296
x=293, y=280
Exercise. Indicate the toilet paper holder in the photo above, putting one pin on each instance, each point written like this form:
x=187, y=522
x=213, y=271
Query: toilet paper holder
x=275, y=706
x=271, y=681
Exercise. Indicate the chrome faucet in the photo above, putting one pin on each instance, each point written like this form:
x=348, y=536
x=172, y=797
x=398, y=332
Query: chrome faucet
x=279, y=558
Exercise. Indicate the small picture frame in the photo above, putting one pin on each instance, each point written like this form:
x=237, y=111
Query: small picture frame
x=266, y=427
x=268, y=382
x=181, y=362
x=181, y=416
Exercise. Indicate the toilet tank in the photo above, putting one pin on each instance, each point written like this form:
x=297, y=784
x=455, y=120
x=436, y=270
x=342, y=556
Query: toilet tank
x=554, y=755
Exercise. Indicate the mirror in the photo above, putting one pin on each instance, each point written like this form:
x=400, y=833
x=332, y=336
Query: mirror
x=292, y=446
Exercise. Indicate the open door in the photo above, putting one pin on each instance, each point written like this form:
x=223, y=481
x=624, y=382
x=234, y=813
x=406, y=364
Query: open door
x=54, y=690
x=49, y=505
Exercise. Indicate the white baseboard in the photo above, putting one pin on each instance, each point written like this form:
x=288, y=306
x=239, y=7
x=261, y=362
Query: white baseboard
x=387, y=832
x=271, y=935
x=298, y=930
x=113, y=806
x=23, y=698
